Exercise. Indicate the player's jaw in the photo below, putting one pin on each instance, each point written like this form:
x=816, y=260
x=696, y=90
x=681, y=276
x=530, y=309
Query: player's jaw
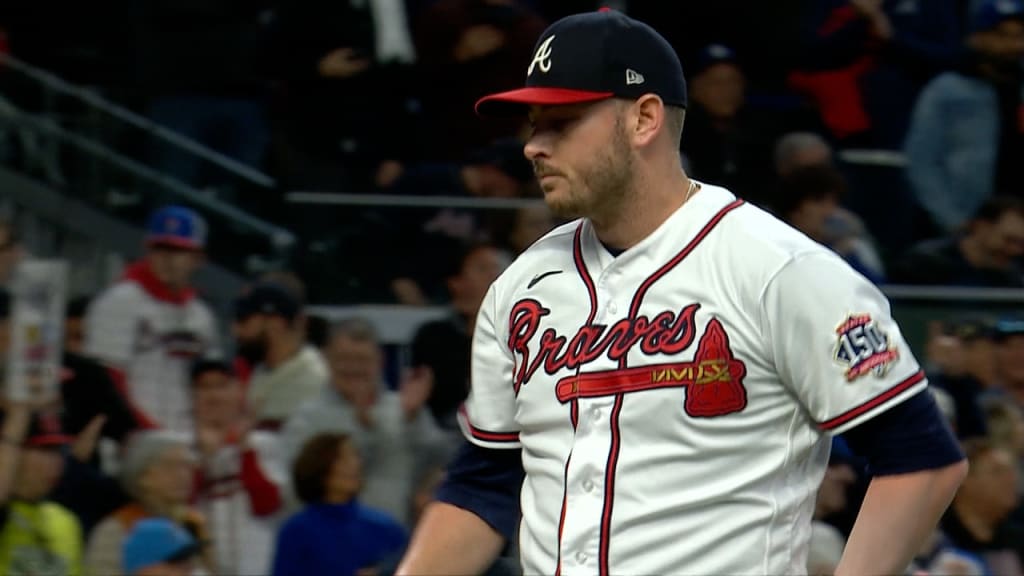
x=580, y=179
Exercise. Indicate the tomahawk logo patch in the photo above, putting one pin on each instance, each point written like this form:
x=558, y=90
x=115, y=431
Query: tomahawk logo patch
x=863, y=348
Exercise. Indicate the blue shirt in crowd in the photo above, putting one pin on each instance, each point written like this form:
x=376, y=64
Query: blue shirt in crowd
x=337, y=539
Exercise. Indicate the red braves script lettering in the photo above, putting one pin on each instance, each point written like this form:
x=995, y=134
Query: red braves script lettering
x=713, y=379
x=666, y=333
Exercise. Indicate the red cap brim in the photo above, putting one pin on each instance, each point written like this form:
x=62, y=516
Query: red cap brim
x=515, y=102
x=173, y=242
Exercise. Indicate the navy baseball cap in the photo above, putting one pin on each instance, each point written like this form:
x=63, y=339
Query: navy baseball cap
x=590, y=57
x=204, y=365
x=155, y=541
x=991, y=13
x=714, y=54
x=971, y=327
x=270, y=299
x=176, y=227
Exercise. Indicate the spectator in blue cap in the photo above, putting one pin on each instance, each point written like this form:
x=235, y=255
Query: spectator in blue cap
x=150, y=326
x=159, y=547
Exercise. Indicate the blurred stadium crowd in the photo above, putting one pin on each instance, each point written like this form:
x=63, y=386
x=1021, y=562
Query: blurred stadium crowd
x=891, y=131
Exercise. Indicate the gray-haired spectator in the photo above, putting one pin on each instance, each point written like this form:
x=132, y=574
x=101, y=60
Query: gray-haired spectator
x=796, y=150
x=394, y=434
x=157, y=471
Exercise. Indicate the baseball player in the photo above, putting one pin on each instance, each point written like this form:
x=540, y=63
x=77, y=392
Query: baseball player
x=150, y=326
x=656, y=383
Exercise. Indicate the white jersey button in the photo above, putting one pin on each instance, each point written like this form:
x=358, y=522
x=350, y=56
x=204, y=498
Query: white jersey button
x=588, y=485
x=581, y=557
x=613, y=308
x=595, y=413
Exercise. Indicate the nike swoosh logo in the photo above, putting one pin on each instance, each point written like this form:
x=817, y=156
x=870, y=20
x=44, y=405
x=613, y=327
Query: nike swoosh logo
x=540, y=277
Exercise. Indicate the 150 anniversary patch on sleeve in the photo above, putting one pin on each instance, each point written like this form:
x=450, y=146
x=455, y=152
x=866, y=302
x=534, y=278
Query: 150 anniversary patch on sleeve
x=863, y=348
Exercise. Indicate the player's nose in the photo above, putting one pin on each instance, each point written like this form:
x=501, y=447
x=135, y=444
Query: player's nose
x=535, y=148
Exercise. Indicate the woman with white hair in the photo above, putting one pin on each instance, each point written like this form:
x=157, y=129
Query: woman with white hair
x=157, y=471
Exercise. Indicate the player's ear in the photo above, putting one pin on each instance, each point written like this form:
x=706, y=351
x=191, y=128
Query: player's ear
x=649, y=113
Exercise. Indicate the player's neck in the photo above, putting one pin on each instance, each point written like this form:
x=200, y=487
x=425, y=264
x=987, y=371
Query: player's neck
x=646, y=208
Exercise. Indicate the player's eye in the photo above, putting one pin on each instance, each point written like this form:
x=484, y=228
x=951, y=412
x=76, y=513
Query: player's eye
x=557, y=125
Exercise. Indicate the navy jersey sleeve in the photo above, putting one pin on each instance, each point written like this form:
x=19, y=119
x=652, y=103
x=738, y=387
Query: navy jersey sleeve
x=909, y=437
x=486, y=482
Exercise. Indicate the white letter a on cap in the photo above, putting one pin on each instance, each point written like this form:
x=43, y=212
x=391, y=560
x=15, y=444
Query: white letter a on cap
x=542, y=57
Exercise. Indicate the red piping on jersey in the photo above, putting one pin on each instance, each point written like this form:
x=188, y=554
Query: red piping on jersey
x=574, y=409
x=642, y=291
x=873, y=403
x=486, y=435
x=609, y=488
x=142, y=274
x=613, y=453
x=561, y=515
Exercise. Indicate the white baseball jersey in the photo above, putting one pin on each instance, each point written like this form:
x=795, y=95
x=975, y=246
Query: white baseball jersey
x=154, y=343
x=674, y=403
x=243, y=538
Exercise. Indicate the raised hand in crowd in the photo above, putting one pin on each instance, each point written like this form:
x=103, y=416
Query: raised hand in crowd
x=478, y=41
x=342, y=63
x=84, y=445
x=414, y=390
x=872, y=11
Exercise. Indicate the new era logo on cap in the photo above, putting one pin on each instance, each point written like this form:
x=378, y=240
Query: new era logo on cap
x=597, y=50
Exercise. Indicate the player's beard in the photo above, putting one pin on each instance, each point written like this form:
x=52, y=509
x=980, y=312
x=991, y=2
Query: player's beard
x=601, y=187
x=253, y=350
